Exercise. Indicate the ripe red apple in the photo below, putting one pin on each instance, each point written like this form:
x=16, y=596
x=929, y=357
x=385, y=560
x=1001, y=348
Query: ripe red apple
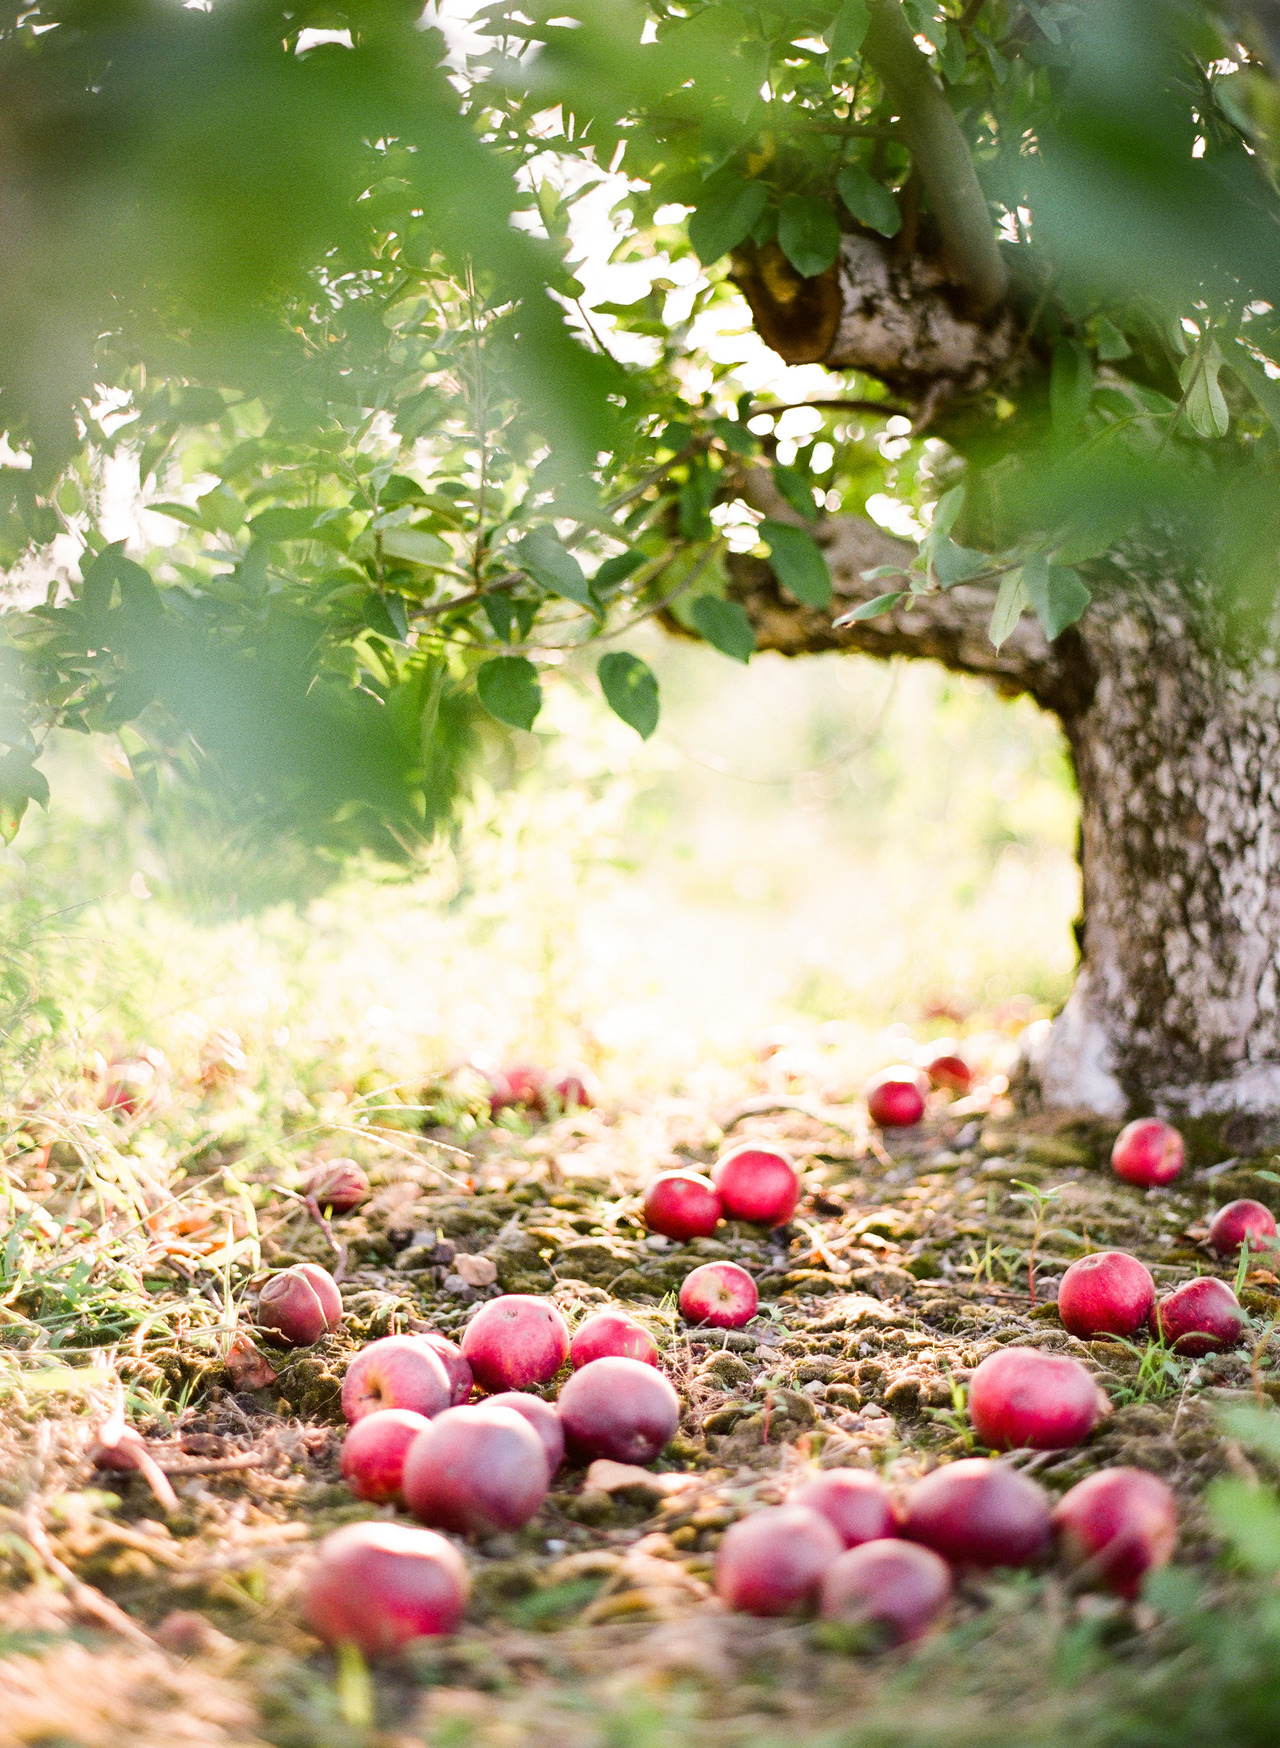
x=515, y=1341
x=299, y=1304
x=541, y=1416
x=612, y=1333
x=619, y=1408
x=573, y=1087
x=378, y=1585
x=374, y=1451
x=979, y=1513
x=1020, y=1397
x=757, y=1183
x=682, y=1204
x=519, y=1083
x=895, y=1097
x=946, y=1067
x=896, y=1586
x=397, y=1372
x=456, y=1368
x=773, y=1561
x=719, y=1293
x=339, y=1185
x=1238, y=1220
x=855, y=1502
x=1120, y=1524
x=476, y=1471
x=1108, y=1293
x=1148, y=1152
x=1201, y=1316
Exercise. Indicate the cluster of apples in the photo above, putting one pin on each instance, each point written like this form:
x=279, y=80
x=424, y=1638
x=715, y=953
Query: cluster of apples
x=843, y=1544
x=895, y=1097
x=544, y=1092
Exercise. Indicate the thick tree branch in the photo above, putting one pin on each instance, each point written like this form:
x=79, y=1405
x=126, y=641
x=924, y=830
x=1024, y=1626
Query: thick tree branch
x=940, y=153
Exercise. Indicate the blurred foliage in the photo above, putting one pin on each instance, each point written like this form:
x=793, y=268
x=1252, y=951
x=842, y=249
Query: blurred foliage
x=307, y=273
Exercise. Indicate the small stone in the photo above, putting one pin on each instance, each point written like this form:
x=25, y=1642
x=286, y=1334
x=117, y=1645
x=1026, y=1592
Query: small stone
x=476, y=1271
x=457, y=1288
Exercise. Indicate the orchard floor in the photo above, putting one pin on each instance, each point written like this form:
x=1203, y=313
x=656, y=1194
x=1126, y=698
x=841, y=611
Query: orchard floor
x=906, y=1264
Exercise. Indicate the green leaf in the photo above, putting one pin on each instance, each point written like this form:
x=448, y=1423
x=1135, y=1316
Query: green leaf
x=416, y=546
x=1112, y=344
x=946, y=512
x=1010, y=601
x=509, y=689
x=954, y=564
x=797, y=489
x=631, y=690
x=386, y=615
x=1206, y=408
x=617, y=569
x=1070, y=386
x=808, y=234
x=183, y=513
x=222, y=509
x=798, y=563
x=1258, y=1428
x=848, y=30
x=274, y=526
x=1056, y=593
x=1248, y=1517
x=725, y=626
x=1264, y=389
x=554, y=567
x=871, y=609
x=20, y=783
x=870, y=202
x=728, y=211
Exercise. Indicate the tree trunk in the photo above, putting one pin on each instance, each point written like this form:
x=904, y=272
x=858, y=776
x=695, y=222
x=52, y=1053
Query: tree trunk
x=1176, y=1006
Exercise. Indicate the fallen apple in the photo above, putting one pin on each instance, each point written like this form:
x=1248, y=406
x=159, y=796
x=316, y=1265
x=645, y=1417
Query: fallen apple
x=1021, y=1397
x=325, y=1289
x=1106, y=1293
x=1148, y=1152
x=682, y=1205
x=374, y=1451
x=542, y=1417
x=1200, y=1317
x=339, y=1185
x=898, y=1588
x=298, y=1306
x=895, y=1097
x=757, y=1183
x=611, y=1333
x=772, y=1562
x=572, y=1087
x=515, y=1341
x=946, y=1068
x=619, y=1408
x=397, y=1372
x=379, y=1585
x=456, y=1368
x=719, y=1293
x=477, y=1471
x=854, y=1501
x=979, y=1513
x=1116, y=1526
x=1231, y=1225
x=517, y=1084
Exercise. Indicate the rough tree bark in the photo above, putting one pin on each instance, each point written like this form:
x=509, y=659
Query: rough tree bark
x=1176, y=748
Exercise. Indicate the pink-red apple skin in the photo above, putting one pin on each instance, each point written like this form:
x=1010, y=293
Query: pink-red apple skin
x=1231, y=1225
x=898, y=1587
x=946, y=1068
x=573, y=1087
x=397, y=1372
x=1107, y=1293
x=979, y=1513
x=772, y=1562
x=477, y=1471
x=1148, y=1152
x=682, y=1205
x=855, y=1502
x=1202, y=1316
x=611, y=1333
x=1022, y=1397
x=619, y=1408
x=515, y=1342
x=300, y=1304
x=721, y=1294
x=518, y=1083
x=542, y=1417
x=895, y=1097
x=340, y=1185
x=379, y=1585
x=374, y=1451
x=1120, y=1524
x=456, y=1368
x=757, y=1183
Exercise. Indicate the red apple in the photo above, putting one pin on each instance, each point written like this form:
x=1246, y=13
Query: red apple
x=339, y=1185
x=619, y=1408
x=374, y=1451
x=541, y=1416
x=477, y=1471
x=773, y=1561
x=1238, y=1220
x=573, y=1087
x=298, y=1304
x=719, y=1293
x=757, y=1183
x=1020, y=1397
x=979, y=1513
x=1119, y=1524
x=515, y=1341
x=1108, y=1293
x=397, y=1372
x=898, y=1587
x=456, y=1368
x=378, y=1585
x=895, y=1097
x=947, y=1068
x=1202, y=1316
x=1148, y=1152
x=612, y=1333
x=855, y=1502
x=519, y=1083
x=682, y=1204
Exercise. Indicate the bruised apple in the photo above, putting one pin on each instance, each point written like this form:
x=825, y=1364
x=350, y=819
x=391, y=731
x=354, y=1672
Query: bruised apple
x=979, y=1513
x=374, y=1451
x=619, y=1408
x=900, y=1588
x=1116, y=1526
x=397, y=1372
x=757, y=1183
x=721, y=1294
x=772, y=1562
x=1022, y=1397
x=379, y=1585
x=1107, y=1293
x=339, y=1185
x=611, y=1333
x=682, y=1205
x=515, y=1341
x=300, y=1304
x=477, y=1471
